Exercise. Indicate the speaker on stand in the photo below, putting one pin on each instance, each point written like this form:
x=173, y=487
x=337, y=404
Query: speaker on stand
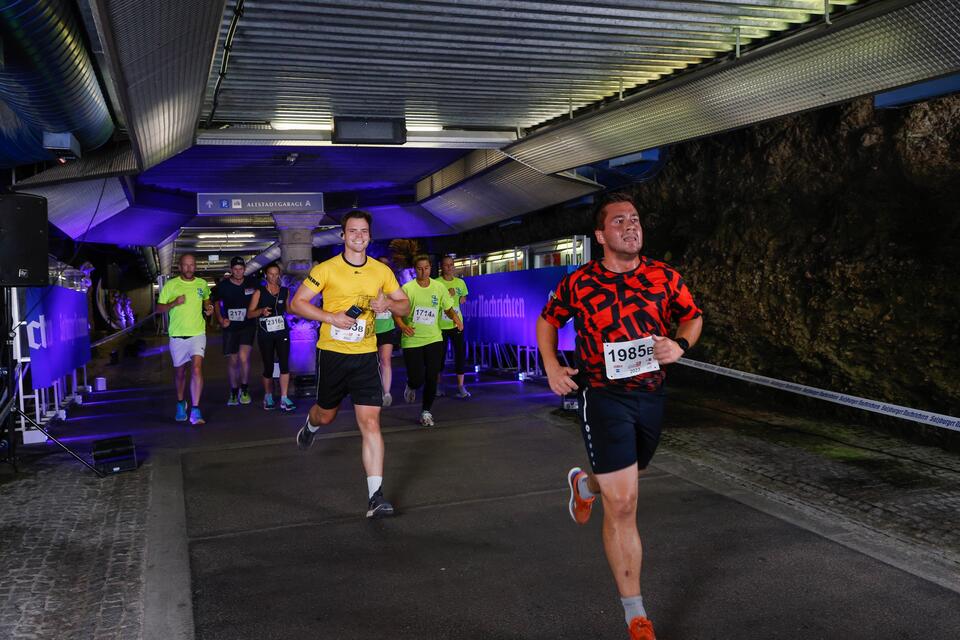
x=24, y=241
x=24, y=247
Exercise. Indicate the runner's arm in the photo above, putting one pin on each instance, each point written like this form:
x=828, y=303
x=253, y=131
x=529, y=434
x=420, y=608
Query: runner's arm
x=399, y=302
x=301, y=304
x=667, y=351
x=557, y=375
x=252, y=310
x=453, y=315
x=163, y=307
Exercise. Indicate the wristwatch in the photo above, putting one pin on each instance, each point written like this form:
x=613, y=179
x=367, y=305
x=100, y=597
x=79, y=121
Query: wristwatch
x=683, y=344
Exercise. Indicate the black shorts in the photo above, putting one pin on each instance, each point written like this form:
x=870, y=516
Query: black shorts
x=620, y=428
x=389, y=337
x=357, y=374
x=232, y=339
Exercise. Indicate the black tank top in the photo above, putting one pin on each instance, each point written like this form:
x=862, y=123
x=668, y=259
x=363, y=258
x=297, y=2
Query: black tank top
x=276, y=303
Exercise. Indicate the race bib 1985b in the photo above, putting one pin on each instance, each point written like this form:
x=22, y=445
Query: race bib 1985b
x=627, y=359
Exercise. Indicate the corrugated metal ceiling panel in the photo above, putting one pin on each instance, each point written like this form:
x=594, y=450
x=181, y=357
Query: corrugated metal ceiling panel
x=101, y=164
x=76, y=207
x=905, y=45
x=457, y=63
x=508, y=190
x=162, y=52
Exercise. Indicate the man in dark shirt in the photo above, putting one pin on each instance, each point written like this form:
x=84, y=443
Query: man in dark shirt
x=622, y=307
x=231, y=299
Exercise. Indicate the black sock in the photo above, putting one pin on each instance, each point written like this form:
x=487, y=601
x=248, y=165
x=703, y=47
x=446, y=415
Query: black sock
x=234, y=391
x=196, y=406
x=245, y=387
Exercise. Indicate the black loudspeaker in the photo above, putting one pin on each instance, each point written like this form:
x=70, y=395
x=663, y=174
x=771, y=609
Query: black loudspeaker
x=348, y=130
x=113, y=455
x=24, y=243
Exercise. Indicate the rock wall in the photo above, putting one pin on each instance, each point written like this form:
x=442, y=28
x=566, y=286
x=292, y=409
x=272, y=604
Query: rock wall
x=823, y=247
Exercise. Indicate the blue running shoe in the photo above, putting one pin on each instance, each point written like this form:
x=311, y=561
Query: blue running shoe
x=286, y=404
x=196, y=418
x=268, y=403
x=181, y=411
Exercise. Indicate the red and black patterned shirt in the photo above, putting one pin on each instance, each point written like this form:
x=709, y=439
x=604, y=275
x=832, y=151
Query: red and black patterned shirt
x=618, y=307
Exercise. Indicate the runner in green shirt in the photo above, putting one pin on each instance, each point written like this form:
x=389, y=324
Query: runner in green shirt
x=187, y=298
x=421, y=338
x=388, y=339
x=451, y=334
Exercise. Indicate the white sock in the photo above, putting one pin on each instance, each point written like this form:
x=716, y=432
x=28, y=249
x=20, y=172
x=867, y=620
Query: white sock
x=633, y=607
x=583, y=488
x=311, y=428
x=373, y=483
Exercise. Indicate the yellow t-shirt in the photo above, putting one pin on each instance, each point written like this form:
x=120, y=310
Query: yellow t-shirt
x=344, y=285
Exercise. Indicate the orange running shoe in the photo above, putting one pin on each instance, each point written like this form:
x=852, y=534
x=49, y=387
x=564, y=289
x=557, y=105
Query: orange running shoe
x=579, y=507
x=641, y=629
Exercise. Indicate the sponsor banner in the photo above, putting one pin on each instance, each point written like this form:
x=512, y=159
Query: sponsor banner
x=57, y=333
x=218, y=203
x=897, y=411
x=503, y=307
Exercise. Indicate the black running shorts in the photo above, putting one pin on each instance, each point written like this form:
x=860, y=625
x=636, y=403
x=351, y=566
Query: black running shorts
x=620, y=427
x=389, y=337
x=233, y=339
x=356, y=374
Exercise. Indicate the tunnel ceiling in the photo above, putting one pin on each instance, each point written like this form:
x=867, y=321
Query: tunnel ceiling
x=208, y=104
x=484, y=65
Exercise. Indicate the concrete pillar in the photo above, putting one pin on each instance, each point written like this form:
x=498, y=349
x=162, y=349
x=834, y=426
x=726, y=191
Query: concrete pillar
x=296, y=255
x=296, y=241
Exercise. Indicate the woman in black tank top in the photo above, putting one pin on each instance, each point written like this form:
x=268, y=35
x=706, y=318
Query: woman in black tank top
x=269, y=305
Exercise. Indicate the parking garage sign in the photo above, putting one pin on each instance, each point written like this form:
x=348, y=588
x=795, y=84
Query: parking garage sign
x=221, y=203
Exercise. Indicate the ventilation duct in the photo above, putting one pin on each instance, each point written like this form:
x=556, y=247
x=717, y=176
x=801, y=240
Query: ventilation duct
x=47, y=80
x=863, y=53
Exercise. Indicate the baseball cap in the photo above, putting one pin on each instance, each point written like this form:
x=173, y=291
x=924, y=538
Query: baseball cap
x=237, y=260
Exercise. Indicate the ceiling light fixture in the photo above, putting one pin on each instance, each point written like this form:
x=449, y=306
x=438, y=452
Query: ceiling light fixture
x=300, y=126
x=229, y=236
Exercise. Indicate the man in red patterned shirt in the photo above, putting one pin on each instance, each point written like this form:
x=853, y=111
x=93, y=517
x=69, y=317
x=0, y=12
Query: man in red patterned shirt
x=622, y=307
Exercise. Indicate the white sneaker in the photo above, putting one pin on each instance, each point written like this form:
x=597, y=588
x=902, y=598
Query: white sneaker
x=426, y=419
x=410, y=395
x=387, y=400
x=462, y=393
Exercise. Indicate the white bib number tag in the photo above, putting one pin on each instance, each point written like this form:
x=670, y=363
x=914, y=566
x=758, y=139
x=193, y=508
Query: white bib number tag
x=237, y=315
x=385, y=315
x=273, y=323
x=425, y=315
x=627, y=359
x=353, y=334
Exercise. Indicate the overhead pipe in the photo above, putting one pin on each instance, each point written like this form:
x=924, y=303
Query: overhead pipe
x=47, y=80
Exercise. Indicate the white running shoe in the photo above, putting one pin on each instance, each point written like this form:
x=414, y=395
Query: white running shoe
x=410, y=395
x=426, y=419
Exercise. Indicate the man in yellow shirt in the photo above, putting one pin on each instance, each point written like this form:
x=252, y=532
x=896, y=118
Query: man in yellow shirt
x=354, y=290
x=187, y=298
